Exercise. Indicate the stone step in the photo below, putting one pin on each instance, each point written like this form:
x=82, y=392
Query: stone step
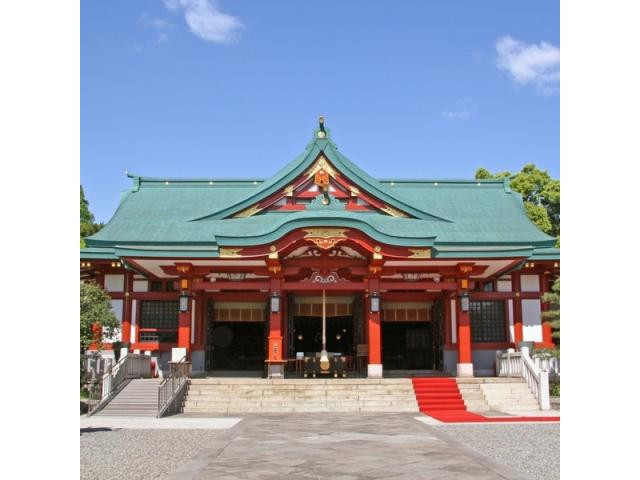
x=510, y=397
x=506, y=387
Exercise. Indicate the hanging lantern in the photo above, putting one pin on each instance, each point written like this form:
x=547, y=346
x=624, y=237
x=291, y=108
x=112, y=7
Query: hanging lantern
x=375, y=303
x=464, y=302
x=275, y=303
x=184, y=302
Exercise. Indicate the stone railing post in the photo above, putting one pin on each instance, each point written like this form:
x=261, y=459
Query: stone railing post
x=543, y=393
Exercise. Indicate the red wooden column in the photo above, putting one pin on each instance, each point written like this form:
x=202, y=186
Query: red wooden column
x=465, y=361
x=547, y=339
x=274, y=356
x=184, y=319
x=374, y=369
x=517, y=309
x=126, y=317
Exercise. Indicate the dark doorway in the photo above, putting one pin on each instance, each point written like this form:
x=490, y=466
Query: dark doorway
x=307, y=335
x=236, y=346
x=407, y=346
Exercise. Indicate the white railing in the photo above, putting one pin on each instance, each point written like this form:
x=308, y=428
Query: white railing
x=130, y=366
x=520, y=364
x=548, y=363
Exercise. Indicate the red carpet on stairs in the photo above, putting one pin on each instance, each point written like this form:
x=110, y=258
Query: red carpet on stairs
x=440, y=398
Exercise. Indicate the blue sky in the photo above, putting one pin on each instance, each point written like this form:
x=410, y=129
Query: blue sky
x=229, y=88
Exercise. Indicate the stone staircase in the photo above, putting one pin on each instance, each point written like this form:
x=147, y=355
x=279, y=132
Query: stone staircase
x=228, y=396
x=138, y=398
x=496, y=393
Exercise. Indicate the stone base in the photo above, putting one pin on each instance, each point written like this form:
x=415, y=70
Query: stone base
x=275, y=370
x=374, y=370
x=197, y=361
x=464, y=369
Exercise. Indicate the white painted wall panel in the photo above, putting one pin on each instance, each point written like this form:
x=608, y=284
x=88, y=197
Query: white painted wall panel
x=114, y=283
x=134, y=312
x=529, y=283
x=140, y=286
x=512, y=334
x=454, y=326
x=531, y=321
x=504, y=285
x=117, y=306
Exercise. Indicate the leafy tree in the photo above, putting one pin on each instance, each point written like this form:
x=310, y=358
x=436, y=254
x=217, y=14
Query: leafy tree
x=95, y=310
x=553, y=314
x=540, y=193
x=88, y=225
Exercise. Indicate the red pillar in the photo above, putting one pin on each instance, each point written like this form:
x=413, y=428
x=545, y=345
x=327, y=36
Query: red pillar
x=374, y=369
x=463, y=319
x=274, y=356
x=126, y=317
x=517, y=309
x=547, y=339
x=184, y=319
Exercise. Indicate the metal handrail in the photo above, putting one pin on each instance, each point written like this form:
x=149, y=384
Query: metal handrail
x=172, y=388
x=117, y=376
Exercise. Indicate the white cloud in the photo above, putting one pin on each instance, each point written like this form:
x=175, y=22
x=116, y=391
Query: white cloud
x=206, y=20
x=528, y=63
x=462, y=108
x=155, y=22
x=160, y=25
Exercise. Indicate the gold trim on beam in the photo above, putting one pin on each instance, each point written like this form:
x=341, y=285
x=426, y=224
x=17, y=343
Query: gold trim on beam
x=325, y=232
x=325, y=238
x=394, y=212
x=420, y=253
x=248, y=212
x=321, y=164
x=229, y=252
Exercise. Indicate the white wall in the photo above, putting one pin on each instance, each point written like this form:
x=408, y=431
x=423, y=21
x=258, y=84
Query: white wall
x=504, y=285
x=531, y=321
x=140, y=286
x=512, y=334
x=134, y=312
x=114, y=283
x=116, y=306
x=529, y=283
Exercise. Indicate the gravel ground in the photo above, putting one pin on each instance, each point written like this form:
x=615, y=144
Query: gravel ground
x=114, y=454
x=529, y=448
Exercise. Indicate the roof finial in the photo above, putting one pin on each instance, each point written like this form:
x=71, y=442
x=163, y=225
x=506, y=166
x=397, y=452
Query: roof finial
x=321, y=132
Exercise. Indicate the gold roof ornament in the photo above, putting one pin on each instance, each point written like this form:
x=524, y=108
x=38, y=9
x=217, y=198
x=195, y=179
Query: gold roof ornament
x=321, y=131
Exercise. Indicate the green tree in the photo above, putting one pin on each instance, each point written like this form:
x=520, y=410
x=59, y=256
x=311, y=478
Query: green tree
x=95, y=309
x=88, y=225
x=540, y=193
x=553, y=313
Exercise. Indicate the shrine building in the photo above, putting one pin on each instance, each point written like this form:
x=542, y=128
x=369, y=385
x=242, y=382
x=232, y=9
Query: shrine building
x=393, y=275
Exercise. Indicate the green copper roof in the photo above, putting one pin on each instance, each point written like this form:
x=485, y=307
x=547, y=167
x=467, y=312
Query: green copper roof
x=191, y=216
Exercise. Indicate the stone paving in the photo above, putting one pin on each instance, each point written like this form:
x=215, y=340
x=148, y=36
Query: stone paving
x=338, y=446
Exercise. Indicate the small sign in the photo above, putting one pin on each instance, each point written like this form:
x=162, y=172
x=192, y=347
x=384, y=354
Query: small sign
x=299, y=355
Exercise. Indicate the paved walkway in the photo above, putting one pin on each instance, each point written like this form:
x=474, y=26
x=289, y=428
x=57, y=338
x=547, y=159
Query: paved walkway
x=166, y=423
x=337, y=446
